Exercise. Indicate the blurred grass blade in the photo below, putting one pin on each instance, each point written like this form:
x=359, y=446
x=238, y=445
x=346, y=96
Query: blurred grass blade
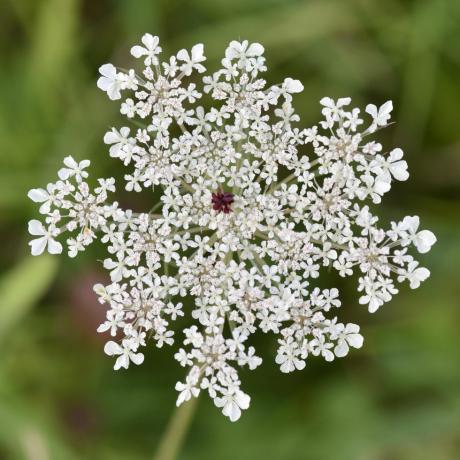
x=54, y=44
x=427, y=30
x=22, y=287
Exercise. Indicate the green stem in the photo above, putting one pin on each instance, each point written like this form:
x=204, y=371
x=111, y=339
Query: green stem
x=176, y=431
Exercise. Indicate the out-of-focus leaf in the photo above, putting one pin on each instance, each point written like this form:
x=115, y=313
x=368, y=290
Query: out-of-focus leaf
x=30, y=434
x=22, y=287
x=54, y=43
x=426, y=35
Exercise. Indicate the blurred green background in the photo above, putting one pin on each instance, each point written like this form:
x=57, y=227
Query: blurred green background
x=398, y=398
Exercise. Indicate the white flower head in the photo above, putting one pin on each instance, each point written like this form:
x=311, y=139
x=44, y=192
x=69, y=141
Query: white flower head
x=422, y=240
x=125, y=354
x=232, y=402
x=46, y=197
x=397, y=166
x=110, y=81
x=45, y=238
x=72, y=168
x=348, y=336
x=253, y=208
x=192, y=60
x=150, y=49
x=243, y=50
x=380, y=115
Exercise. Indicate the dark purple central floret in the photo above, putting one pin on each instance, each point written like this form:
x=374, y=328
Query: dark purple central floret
x=222, y=201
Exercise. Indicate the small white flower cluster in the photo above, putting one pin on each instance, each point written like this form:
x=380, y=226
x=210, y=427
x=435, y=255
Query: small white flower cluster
x=252, y=208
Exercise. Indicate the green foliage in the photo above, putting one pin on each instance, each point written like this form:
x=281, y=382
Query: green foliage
x=22, y=288
x=398, y=398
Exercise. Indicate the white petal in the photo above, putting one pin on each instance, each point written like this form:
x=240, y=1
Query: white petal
x=113, y=91
x=38, y=246
x=327, y=102
x=287, y=366
x=232, y=411
x=70, y=162
x=417, y=276
x=122, y=361
x=117, y=274
x=54, y=247
x=341, y=349
x=219, y=402
x=136, y=358
x=112, y=348
x=299, y=364
x=182, y=55
x=355, y=340
x=371, y=109
x=183, y=396
x=293, y=86
x=150, y=41
x=111, y=137
x=108, y=70
x=343, y=101
x=197, y=52
x=374, y=304
x=38, y=195
x=399, y=170
x=242, y=399
x=45, y=208
x=124, y=132
x=385, y=110
x=255, y=49
x=138, y=51
x=103, y=328
x=103, y=83
x=99, y=289
x=381, y=186
x=352, y=328
x=109, y=264
x=411, y=223
x=232, y=50
x=424, y=240
x=64, y=173
x=396, y=154
x=36, y=228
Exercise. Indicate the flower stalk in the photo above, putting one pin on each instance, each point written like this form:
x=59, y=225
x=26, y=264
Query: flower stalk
x=176, y=431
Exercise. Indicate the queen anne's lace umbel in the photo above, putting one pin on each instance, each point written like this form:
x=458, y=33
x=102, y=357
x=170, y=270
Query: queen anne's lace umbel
x=252, y=208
